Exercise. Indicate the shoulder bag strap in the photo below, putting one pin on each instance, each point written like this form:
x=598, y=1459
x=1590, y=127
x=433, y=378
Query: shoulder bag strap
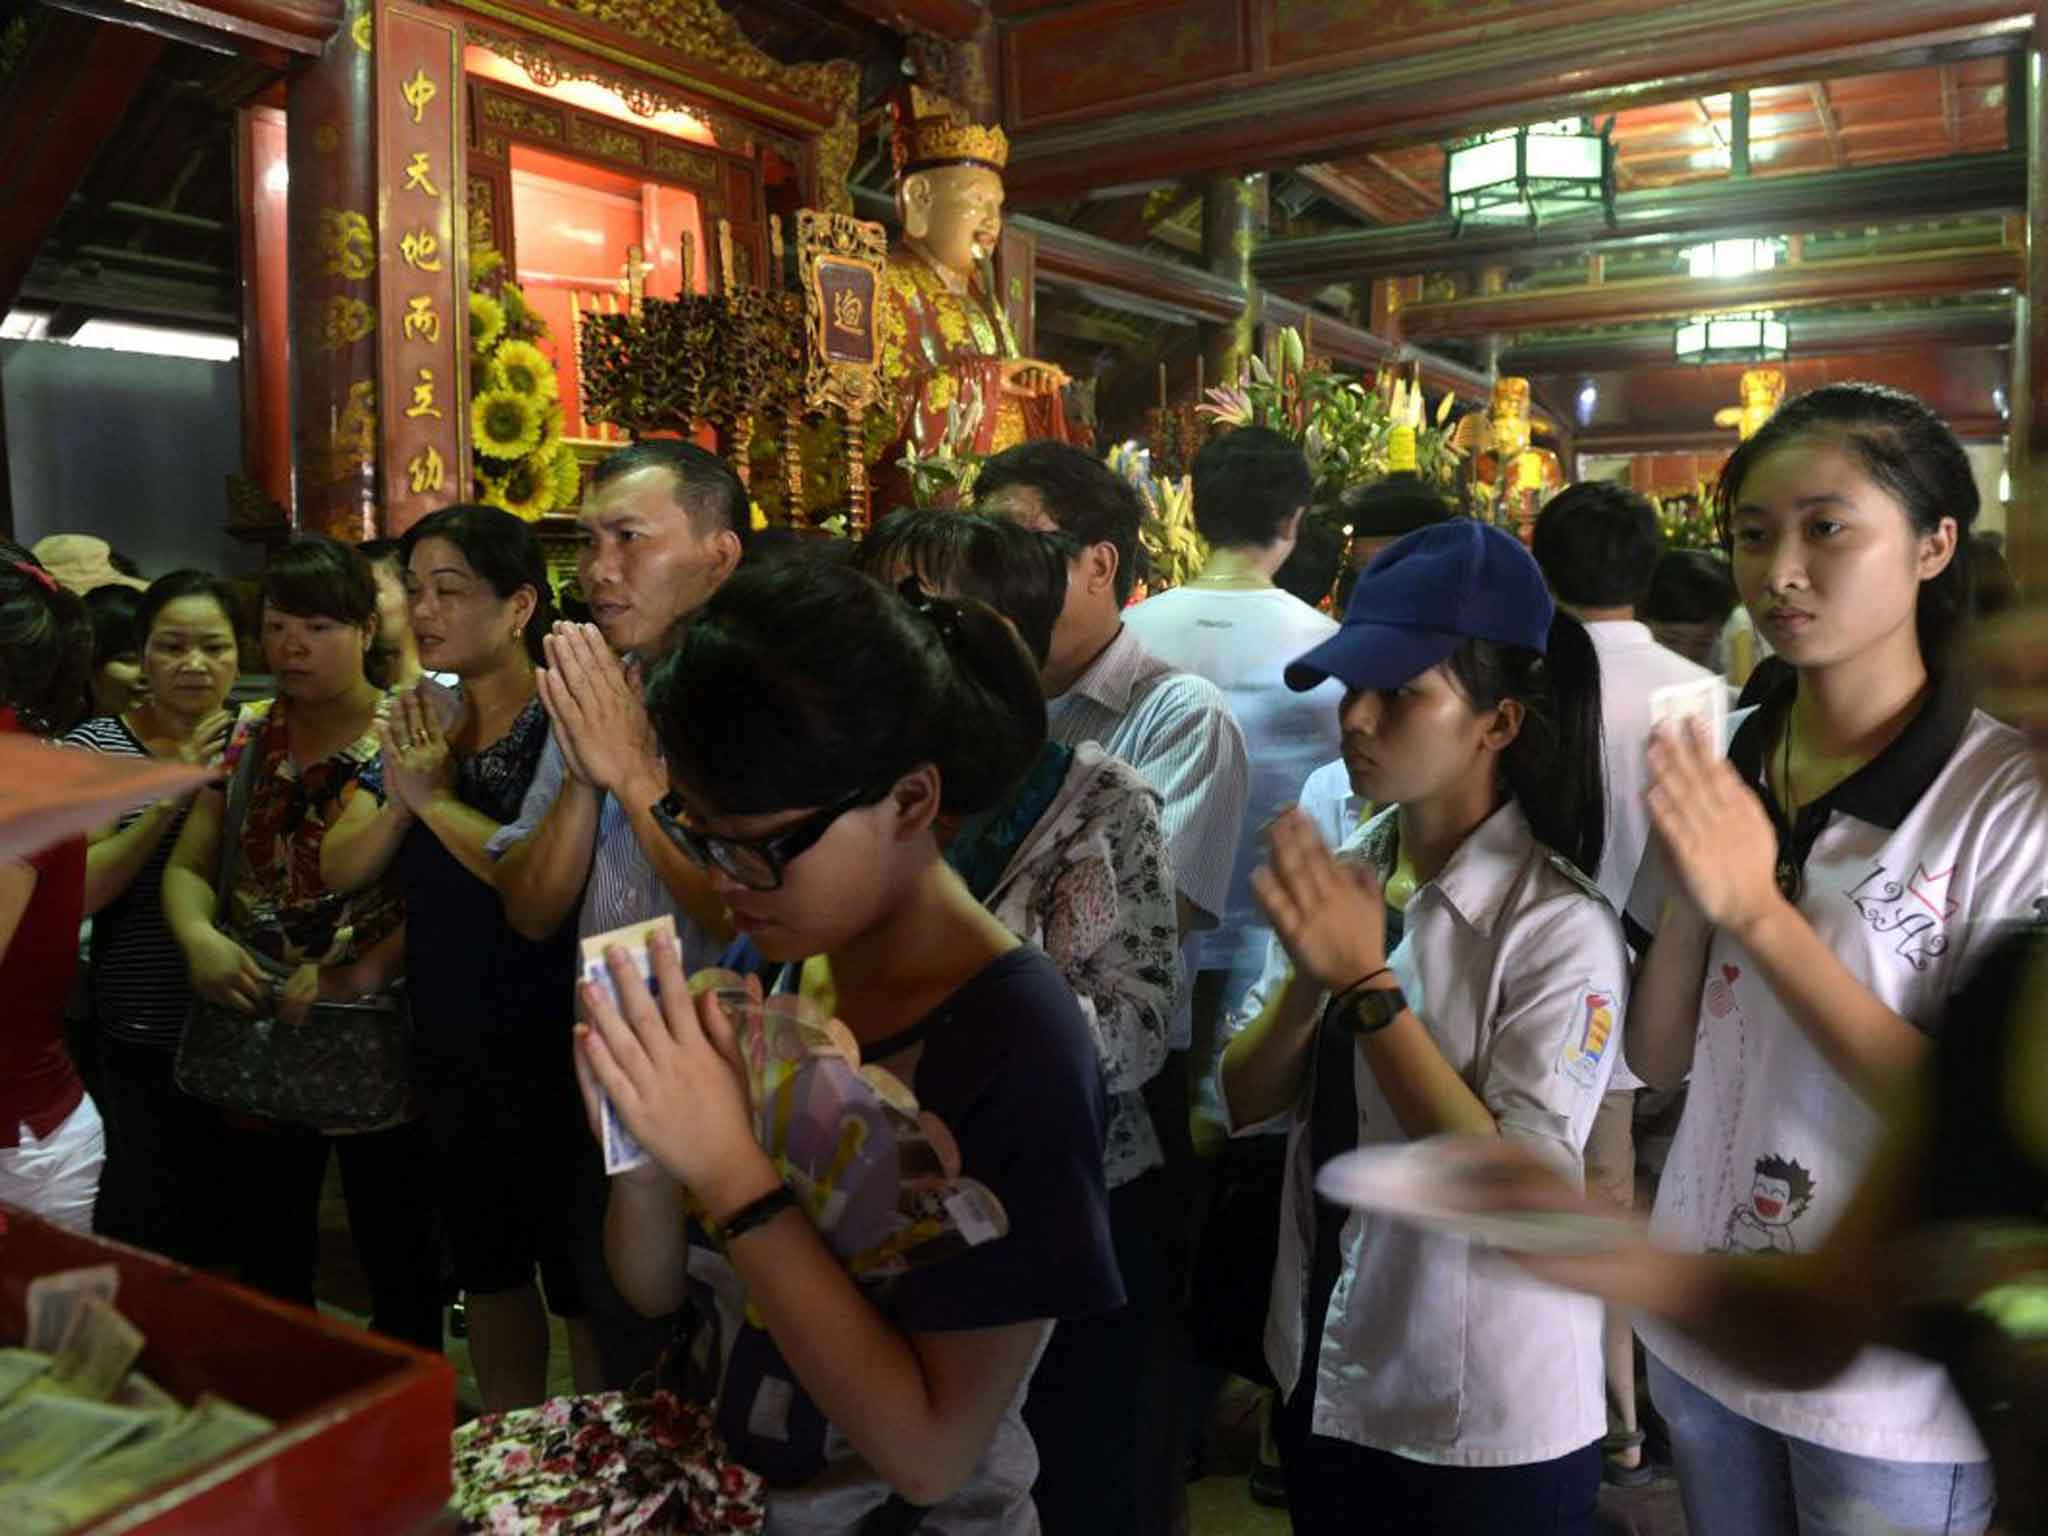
x=232, y=817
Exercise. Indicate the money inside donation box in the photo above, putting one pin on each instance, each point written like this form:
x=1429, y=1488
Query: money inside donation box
x=138, y=1395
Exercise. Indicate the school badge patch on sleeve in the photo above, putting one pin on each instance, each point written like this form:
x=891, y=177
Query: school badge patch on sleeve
x=1592, y=1029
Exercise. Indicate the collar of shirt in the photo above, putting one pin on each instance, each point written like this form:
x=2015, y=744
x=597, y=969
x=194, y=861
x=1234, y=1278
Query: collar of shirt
x=1884, y=790
x=1114, y=676
x=1619, y=634
x=1479, y=875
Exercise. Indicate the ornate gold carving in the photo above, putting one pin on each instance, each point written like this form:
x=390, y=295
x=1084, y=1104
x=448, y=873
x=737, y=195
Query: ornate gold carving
x=932, y=133
x=546, y=70
x=494, y=146
x=352, y=443
x=612, y=143
x=700, y=30
x=483, y=212
x=834, y=150
x=839, y=267
x=361, y=30
x=683, y=164
x=346, y=322
x=347, y=248
x=511, y=113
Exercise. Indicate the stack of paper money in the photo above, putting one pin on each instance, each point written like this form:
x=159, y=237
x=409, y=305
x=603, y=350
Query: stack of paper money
x=81, y=1429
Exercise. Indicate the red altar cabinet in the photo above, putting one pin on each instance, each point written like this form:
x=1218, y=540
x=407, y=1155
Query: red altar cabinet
x=361, y=1443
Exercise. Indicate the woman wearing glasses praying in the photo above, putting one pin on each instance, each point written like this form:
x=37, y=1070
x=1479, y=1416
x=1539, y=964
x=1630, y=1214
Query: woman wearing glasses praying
x=816, y=726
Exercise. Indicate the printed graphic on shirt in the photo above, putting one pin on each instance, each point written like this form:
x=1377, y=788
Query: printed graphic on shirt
x=1778, y=1196
x=1909, y=914
x=1587, y=1043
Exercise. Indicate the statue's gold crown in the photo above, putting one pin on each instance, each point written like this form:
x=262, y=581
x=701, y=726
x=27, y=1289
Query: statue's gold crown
x=930, y=131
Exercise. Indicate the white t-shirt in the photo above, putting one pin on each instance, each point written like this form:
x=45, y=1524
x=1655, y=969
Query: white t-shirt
x=1242, y=640
x=1430, y=1348
x=1910, y=867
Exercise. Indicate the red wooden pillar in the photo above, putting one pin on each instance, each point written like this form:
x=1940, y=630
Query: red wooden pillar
x=331, y=153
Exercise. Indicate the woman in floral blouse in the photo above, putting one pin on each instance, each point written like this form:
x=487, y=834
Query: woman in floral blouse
x=288, y=940
x=1074, y=862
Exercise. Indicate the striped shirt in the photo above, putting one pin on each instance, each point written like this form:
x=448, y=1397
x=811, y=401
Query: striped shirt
x=140, y=985
x=1178, y=732
x=623, y=887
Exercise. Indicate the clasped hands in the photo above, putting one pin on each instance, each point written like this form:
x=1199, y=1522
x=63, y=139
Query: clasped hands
x=1330, y=916
x=600, y=724
x=1722, y=848
x=672, y=1069
x=418, y=763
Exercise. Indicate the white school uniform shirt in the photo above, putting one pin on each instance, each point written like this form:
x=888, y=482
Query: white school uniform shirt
x=1242, y=640
x=1331, y=805
x=1910, y=867
x=1176, y=730
x=1430, y=1348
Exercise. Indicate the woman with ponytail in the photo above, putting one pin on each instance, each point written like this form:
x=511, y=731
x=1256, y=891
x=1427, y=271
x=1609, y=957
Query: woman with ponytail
x=1454, y=970
x=1812, y=900
x=817, y=726
x=494, y=1070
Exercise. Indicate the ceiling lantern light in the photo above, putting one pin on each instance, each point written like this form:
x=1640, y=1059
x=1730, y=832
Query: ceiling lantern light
x=1530, y=174
x=1733, y=258
x=1757, y=337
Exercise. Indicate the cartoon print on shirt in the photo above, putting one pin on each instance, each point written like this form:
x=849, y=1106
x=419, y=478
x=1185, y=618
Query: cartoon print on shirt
x=1587, y=1041
x=1913, y=912
x=1778, y=1196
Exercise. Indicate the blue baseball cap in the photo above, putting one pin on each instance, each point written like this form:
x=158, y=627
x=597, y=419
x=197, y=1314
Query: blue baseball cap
x=1422, y=598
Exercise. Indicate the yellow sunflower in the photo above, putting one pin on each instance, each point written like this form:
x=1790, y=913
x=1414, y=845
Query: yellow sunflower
x=486, y=322
x=568, y=475
x=526, y=370
x=528, y=489
x=504, y=425
x=550, y=426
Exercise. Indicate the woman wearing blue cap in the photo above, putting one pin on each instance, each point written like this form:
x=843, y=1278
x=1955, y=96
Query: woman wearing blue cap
x=1456, y=972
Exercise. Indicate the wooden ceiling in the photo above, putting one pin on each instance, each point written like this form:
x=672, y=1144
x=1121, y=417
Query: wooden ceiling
x=1847, y=122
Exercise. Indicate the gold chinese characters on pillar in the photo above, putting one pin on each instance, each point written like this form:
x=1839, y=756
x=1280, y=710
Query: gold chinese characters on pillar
x=422, y=342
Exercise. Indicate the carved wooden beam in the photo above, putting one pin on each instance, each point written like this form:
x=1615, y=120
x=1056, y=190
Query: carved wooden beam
x=272, y=29
x=954, y=20
x=1797, y=287
x=1247, y=114
x=1942, y=329
x=1931, y=189
x=75, y=85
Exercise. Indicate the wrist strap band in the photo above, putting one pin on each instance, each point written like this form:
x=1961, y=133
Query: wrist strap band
x=1337, y=999
x=756, y=1213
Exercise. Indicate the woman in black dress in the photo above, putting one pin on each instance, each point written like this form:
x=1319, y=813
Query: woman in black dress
x=490, y=1007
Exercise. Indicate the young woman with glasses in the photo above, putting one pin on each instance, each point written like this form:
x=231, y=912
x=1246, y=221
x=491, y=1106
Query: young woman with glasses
x=816, y=726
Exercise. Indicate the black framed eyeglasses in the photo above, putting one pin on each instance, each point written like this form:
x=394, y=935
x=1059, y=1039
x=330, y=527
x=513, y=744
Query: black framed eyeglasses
x=758, y=863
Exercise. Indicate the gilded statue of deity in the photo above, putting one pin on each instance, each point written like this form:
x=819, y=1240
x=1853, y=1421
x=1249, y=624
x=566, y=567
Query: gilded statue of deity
x=949, y=359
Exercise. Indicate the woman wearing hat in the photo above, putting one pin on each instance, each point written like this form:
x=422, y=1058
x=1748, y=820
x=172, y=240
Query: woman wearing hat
x=1454, y=972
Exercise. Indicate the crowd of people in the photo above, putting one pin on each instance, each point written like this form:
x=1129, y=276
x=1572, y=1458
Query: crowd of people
x=1159, y=908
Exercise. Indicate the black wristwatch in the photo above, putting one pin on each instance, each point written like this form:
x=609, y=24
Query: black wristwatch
x=1368, y=1010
